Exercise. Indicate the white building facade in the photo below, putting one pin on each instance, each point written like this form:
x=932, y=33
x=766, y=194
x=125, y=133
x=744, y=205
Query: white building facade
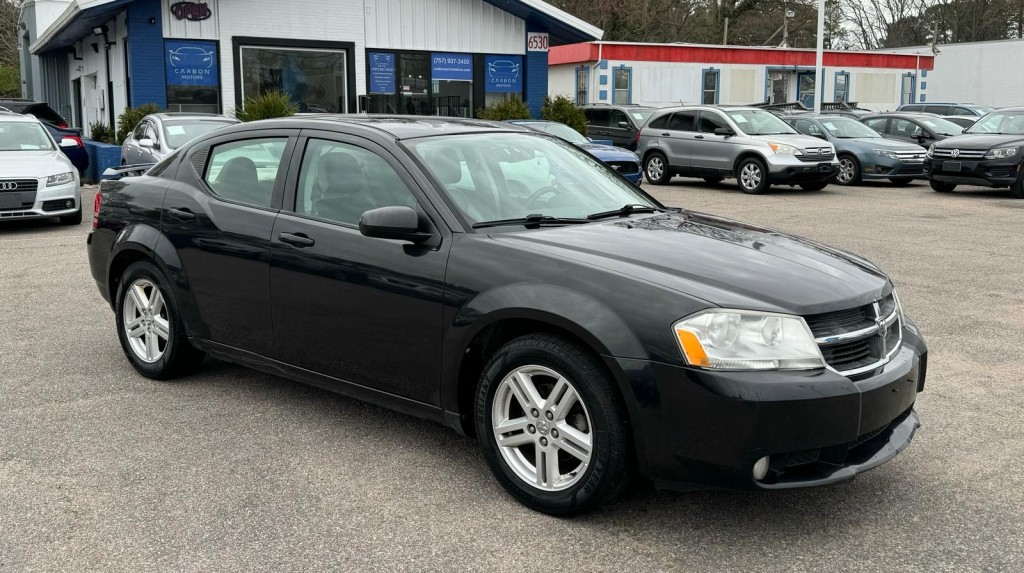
x=674, y=74
x=984, y=73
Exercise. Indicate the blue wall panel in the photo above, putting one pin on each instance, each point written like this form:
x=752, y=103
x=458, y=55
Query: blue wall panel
x=146, y=54
x=536, y=75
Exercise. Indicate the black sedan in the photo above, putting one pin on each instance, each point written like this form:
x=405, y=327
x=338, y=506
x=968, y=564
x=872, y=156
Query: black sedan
x=923, y=129
x=509, y=285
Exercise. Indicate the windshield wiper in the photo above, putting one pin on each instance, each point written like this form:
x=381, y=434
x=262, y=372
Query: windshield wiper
x=530, y=221
x=624, y=211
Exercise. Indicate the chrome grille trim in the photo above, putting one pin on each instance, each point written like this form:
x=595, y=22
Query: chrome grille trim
x=963, y=153
x=884, y=313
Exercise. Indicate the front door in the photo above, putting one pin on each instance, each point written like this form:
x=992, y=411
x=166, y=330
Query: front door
x=220, y=225
x=364, y=310
x=621, y=130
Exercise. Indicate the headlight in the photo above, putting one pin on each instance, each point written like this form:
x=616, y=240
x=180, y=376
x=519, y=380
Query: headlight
x=886, y=153
x=784, y=149
x=747, y=340
x=931, y=150
x=60, y=179
x=1001, y=153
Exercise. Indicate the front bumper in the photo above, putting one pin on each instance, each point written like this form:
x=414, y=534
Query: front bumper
x=983, y=172
x=55, y=201
x=875, y=167
x=696, y=428
x=784, y=168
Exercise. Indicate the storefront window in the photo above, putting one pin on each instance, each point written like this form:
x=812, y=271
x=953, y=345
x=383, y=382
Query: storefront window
x=709, y=93
x=193, y=76
x=413, y=80
x=315, y=79
x=503, y=78
x=452, y=84
x=380, y=79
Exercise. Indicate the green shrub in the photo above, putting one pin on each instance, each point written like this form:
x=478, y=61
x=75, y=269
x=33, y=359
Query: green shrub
x=99, y=131
x=130, y=117
x=511, y=108
x=10, y=81
x=563, y=110
x=265, y=106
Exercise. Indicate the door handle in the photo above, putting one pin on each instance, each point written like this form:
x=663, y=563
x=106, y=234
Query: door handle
x=183, y=214
x=698, y=136
x=666, y=134
x=296, y=239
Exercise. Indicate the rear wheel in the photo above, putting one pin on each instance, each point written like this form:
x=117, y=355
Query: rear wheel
x=814, y=186
x=656, y=168
x=551, y=425
x=713, y=180
x=942, y=186
x=849, y=170
x=149, y=326
x=898, y=182
x=73, y=219
x=752, y=176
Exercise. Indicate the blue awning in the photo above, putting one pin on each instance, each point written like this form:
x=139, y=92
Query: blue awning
x=77, y=23
x=563, y=28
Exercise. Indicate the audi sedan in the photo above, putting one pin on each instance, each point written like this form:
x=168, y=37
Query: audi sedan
x=510, y=285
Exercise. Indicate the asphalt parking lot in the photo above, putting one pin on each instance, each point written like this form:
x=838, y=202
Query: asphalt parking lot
x=103, y=470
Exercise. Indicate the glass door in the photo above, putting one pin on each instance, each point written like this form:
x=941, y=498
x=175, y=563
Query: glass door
x=778, y=87
x=413, y=84
x=805, y=89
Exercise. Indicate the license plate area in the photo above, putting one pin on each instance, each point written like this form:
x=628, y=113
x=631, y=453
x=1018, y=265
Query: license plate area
x=951, y=165
x=10, y=200
x=824, y=167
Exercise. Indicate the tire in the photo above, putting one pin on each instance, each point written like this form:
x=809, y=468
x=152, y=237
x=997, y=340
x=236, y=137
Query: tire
x=814, y=186
x=713, y=180
x=73, y=219
x=752, y=176
x=547, y=364
x=942, y=186
x=656, y=168
x=176, y=355
x=1017, y=189
x=898, y=182
x=849, y=170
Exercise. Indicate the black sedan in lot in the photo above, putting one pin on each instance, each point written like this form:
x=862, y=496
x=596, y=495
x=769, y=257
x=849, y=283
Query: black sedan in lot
x=509, y=285
x=989, y=154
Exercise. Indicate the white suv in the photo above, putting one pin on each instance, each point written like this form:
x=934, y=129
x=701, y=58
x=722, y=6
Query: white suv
x=36, y=179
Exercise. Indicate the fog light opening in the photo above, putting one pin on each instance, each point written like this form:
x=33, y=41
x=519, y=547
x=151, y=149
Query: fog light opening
x=761, y=468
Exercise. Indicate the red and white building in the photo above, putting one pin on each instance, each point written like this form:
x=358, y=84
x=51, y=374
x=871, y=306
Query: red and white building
x=670, y=74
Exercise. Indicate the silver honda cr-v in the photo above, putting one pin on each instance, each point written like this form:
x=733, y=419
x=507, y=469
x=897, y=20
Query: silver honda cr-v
x=750, y=144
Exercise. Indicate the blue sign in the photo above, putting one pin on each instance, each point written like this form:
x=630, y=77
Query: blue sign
x=458, y=67
x=503, y=74
x=382, y=72
x=191, y=63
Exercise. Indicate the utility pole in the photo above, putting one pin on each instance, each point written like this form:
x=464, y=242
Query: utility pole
x=725, y=34
x=819, y=57
x=785, y=25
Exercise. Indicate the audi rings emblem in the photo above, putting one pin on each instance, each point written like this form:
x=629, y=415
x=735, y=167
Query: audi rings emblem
x=8, y=186
x=955, y=153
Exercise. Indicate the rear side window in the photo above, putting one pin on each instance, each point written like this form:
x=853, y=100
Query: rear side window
x=939, y=109
x=911, y=108
x=683, y=121
x=963, y=111
x=246, y=170
x=660, y=123
x=877, y=124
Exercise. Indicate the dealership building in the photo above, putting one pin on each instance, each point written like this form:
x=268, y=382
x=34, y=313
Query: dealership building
x=671, y=74
x=91, y=58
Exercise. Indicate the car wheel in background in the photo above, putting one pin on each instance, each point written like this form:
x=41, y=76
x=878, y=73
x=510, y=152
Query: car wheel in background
x=1017, y=189
x=713, y=180
x=73, y=219
x=149, y=325
x=849, y=170
x=752, y=175
x=656, y=168
x=814, y=186
x=552, y=427
x=900, y=182
x=942, y=187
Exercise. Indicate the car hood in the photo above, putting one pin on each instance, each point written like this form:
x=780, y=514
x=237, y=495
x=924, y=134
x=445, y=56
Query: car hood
x=795, y=139
x=608, y=152
x=979, y=141
x=867, y=143
x=724, y=262
x=33, y=164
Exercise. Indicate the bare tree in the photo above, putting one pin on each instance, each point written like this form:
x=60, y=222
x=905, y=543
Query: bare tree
x=10, y=15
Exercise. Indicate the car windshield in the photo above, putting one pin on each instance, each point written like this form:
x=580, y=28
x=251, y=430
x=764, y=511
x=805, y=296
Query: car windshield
x=983, y=109
x=24, y=136
x=941, y=126
x=180, y=131
x=560, y=130
x=758, y=122
x=845, y=128
x=508, y=176
x=1000, y=123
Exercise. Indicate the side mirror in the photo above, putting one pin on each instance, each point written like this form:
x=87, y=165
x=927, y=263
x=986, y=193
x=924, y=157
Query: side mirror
x=624, y=124
x=400, y=223
x=921, y=138
x=147, y=143
x=724, y=131
x=68, y=142
x=821, y=136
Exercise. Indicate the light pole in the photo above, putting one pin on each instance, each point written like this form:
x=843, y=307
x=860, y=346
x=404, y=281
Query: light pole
x=819, y=57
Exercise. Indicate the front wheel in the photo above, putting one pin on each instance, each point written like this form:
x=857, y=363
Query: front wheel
x=1017, y=189
x=73, y=219
x=942, y=186
x=656, y=168
x=814, y=186
x=149, y=325
x=551, y=425
x=849, y=171
x=752, y=176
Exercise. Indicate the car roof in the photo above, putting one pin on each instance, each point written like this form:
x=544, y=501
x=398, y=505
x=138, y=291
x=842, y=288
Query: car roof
x=614, y=105
x=397, y=126
x=186, y=115
x=907, y=114
x=17, y=117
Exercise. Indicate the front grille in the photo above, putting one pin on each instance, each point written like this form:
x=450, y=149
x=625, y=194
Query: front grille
x=816, y=154
x=910, y=156
x=857, y=339
x=961, y=153
x=18, y=185
x=628, y=167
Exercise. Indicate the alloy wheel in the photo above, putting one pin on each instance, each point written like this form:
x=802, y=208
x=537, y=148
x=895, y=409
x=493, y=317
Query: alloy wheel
x=542, y=428
x=146, y=321
x=846, y=169
x=655, y=168
x=750, y=176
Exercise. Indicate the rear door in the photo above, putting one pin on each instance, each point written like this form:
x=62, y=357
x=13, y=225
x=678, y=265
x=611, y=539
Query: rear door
x=712, y=153
x=219, y=217
x=360, y=309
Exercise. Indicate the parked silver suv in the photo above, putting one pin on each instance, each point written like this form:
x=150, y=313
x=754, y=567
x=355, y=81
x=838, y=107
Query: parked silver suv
x=750, y=144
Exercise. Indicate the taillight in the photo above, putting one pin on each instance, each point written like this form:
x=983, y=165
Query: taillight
x=96, y=210
x=76, y=139
x=638, y=136
x=63, y=125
